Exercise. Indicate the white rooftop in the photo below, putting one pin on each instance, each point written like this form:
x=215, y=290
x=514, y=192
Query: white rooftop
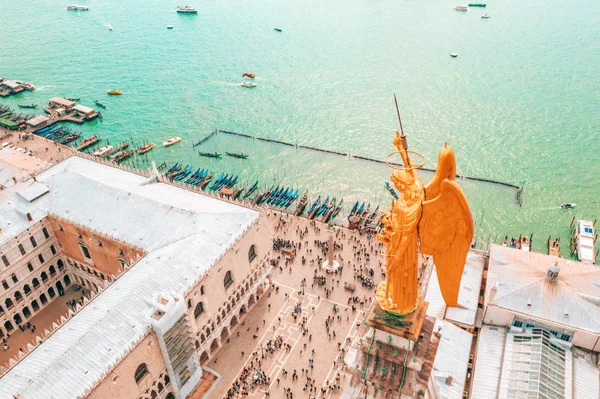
x=38, y=120
x=451, y=360
x=83, y=108
x=468, y=296
x=523, y=287
x=184, y=233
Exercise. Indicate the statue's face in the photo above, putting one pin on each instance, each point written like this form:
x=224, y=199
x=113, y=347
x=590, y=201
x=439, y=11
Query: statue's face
x=408, y=184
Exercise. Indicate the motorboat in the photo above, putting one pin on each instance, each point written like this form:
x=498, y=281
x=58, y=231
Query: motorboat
x=278, y=30
x=453, y=55
x=248, y=84
x=104, y=151
x=485, y=16
x=248, y=75
x=109, y=27
x=172, y=141
x=568, y=205
x=115, y=92
x=75, y=7
x=461, y=8
x=28, y=106
x=169, y=26
x=28, y=86
x=145, y=148
x=585, y=240
x=186, y=10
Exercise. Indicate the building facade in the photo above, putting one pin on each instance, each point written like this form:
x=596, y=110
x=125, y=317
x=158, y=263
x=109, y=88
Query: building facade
x=171, y=273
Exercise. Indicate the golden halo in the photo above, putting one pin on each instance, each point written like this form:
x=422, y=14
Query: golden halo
x=413, y=166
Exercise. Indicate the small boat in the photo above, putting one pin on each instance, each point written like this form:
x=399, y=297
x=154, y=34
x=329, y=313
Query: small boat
x=391, y=189
x=75, y=7
x=461, y=8
x=453, y=55
x=248, y=75
x=115, y=92
x=483, y=5
x=120, y=157
x=145, y=148
x=248, y=84
x=172, y=141
x=28, y=86
x=104, y=151
x=186, y=10
x=169, y=26
x=485, y=16
x=109, y=27
x=302, y=204
x=28, y=106
x=251, y=190
x=278, y=30
x=568, y=205
x=98, y=103
x=240, y=155
x=73, y=99
x=210, y=154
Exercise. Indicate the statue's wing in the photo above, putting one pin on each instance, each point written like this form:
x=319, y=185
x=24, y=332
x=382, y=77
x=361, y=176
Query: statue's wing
x=445, y=232
x=446, y=169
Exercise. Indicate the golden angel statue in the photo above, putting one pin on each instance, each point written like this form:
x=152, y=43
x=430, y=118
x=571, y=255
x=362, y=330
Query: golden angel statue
x=434, y=220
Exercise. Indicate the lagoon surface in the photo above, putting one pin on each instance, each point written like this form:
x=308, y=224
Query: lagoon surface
x=521, y=103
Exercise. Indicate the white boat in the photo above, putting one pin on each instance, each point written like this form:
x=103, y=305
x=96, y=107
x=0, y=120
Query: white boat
x=461, y=8
x=248, y=84
x=453, y=55
x=584, y=236
x=186, y=10
x=109, y=27
x=75, y=7
x=169, y=26
x=485, y=16
x=104, y=151
x=172, y=141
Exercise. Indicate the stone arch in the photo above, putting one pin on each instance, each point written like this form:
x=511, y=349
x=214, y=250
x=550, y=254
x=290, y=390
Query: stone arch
x=228, y=308
x=35, y=282
x=259, y=289
x=8, y=303
x=243, y=310
x=153, y=394
x=251, y=280
x=223, y=313
x=251, y=253
x=233, y=321
x=224, y=334
x=59, y=286
x=67, y=280
x=26, y=312
x=167, y=379
x=213, y=327
x=51, y=292
x=204, y=357
x=35, y=305
x=17, y=318
x=1, y=310
x=52, y=270
x=8, y=326
x=60, y=264
x=247, y=286
x=170, y=395
x=243, y=290
x=197, y=345
x=44, y=276
x=251, y=300
x=27, y=289
x=202, y=338
x=214, y=346
x=218, y=319
x=43, y=299
x=160, y=387
x=140, y=372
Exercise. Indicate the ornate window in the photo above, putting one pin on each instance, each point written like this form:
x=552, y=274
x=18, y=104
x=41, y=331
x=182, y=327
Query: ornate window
x=199, y=310
x=21, y=249
x=251, y=253
x=33, y=243
x=228, y=280
x=45, y=233
x=85, y=250
x=35, y=283
x=140, y=372
x=5, y=261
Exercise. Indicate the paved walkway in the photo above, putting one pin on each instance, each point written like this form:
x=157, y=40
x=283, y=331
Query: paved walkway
x=316, y=306
x=43, y=319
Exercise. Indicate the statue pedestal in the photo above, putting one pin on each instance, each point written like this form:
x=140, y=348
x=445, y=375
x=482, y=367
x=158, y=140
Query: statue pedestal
x=334, y=266
x=414, y=321
x=392, y=360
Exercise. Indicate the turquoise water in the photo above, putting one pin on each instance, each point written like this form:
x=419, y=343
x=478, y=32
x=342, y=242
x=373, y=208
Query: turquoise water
x=520, y=104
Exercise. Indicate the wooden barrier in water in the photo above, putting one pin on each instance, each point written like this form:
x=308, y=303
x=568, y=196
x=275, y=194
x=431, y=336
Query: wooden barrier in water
x=204, y=139
x=479, y=179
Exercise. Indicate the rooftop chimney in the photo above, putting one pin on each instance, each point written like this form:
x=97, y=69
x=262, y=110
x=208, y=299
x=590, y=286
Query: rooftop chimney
x=553, y=270
x=29, y=217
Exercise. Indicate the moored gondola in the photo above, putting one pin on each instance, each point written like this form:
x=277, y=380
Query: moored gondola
x=210, y=154
x=234, y=155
